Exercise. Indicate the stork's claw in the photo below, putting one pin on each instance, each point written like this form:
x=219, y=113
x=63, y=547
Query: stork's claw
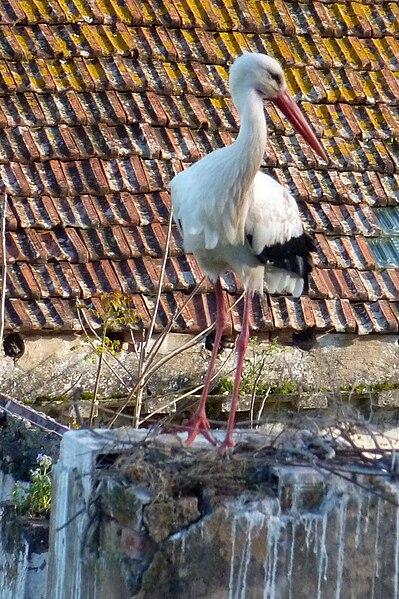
x=197, y=425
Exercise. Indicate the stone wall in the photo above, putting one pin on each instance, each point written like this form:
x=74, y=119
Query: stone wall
x=140, y=518
x=55, y=367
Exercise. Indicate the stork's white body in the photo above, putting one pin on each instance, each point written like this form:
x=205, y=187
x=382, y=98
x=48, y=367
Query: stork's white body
x=223, y=198
x=271, y=217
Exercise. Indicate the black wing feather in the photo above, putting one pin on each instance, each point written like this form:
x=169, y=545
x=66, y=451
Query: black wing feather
x=292, y=255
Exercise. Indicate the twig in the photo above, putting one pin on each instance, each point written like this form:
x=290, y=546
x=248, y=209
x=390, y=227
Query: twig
x=75, y=402
x=187, y=345
x=71, y=519
x=134, y=343
x=147, y=368
x=322, y=466
x=144, y=372
x=138, y=388
x=157, y=344
x=255, y=387
x=94, y=401
x=162, y=274
x=188, y=393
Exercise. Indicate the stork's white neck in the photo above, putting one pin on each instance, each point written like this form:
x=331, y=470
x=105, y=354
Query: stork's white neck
x=249, y=147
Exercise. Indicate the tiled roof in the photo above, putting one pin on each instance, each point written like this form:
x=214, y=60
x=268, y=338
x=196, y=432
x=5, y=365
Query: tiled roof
x=102, y=102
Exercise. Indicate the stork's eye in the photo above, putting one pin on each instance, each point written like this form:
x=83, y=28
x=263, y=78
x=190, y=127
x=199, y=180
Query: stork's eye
x=276, y=77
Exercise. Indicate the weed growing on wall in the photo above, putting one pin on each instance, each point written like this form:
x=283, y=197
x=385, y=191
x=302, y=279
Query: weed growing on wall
x=253, y=377
x=34, y=497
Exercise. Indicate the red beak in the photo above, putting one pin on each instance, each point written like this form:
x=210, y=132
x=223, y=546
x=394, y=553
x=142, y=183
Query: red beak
x=286, y=103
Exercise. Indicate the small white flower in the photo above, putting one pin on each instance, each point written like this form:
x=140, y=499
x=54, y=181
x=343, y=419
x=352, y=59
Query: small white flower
x=44, y=460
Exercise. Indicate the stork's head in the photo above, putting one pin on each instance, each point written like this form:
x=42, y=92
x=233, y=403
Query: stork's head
x=259, y=73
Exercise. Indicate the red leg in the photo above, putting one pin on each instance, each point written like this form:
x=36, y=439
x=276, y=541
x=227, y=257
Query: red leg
x=241, y=346
x=199, y=422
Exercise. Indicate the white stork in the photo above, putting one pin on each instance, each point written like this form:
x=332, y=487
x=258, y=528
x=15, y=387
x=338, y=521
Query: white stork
x=234, y=218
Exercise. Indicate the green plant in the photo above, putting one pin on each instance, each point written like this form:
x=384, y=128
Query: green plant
x=287, y=386
x=363, y=388
x=34, y=498
x=254, y=368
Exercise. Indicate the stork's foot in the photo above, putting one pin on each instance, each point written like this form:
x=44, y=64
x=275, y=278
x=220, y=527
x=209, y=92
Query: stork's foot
x=198, y=425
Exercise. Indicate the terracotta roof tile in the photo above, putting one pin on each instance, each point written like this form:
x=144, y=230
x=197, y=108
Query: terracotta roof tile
x=21, y=282
x=128, y=12
x=325, y=255
x=64, y=244
x=194, y=316
x=169, y=306
x=310, y=19
x=287, y=313
x=195, y=14
x=159, y=173
x=175, y=143
x=142, y=241
x=116, y=209
x=383, y=51
x=390, y=184
x=367, y=255
x=69, y=212
x=381, y=285
x=193, y=44
x=125, y=175
x=152, y=207
x=176, y=277
x=357, y=252
x=95, y=278
x=106, y=243
x=7, y=83
x=342, y=218
x=11, y=12
x=9, y=47
x=394, y=306
x=35, y=12
x=335, y=314
x=16, y=315
x=260, y=316
x=204, y=310
x=339, y=283
x=375, y=317
x=56, y=280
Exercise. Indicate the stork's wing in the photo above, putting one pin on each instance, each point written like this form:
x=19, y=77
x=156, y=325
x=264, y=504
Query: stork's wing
x=275, y=233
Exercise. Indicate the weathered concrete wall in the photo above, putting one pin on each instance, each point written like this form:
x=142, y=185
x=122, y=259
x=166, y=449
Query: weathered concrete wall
x=23, y=556
x=23, y=541
x=291, y=534
x=51, y=366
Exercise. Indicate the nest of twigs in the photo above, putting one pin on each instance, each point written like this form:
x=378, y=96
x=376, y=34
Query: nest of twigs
x=173, y=472
x=168, y=469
